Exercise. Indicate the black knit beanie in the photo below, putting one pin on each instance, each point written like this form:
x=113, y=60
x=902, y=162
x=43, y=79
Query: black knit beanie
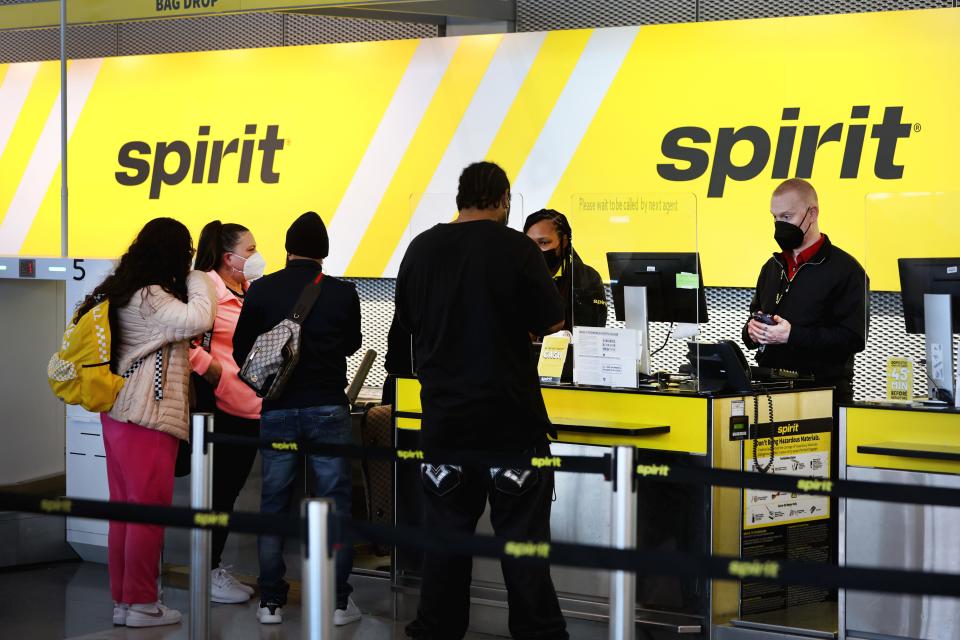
x=307, y=237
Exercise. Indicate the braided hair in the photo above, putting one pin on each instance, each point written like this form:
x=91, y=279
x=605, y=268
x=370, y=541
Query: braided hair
x=482, y=186
x=562, y=225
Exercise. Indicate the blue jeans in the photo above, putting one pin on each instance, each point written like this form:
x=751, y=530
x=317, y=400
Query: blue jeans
x=321, y=425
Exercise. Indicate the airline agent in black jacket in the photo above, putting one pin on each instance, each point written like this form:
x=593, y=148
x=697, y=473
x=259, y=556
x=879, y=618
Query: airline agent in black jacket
x=816, y=293
x=584, y=299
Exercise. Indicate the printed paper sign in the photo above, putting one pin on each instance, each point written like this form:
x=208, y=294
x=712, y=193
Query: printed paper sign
x=552, y=356
x=801, y=448
x=605, y=357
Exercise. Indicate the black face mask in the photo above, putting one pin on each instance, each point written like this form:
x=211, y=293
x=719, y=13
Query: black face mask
x=552, y=258
x=789, y=236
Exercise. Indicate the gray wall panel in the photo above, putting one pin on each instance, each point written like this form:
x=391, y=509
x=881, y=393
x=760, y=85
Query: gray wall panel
x=32, y=316
x=92, y=41
x=308, y=29
x=542, y=15
x=241, y=31
x=538, y=15
x=742, y=9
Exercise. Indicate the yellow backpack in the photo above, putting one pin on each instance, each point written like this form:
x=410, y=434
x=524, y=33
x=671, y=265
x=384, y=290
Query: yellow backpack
x=80, y=372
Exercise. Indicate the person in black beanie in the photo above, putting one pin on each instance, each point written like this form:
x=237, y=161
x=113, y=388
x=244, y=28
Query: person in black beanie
x=313, y=406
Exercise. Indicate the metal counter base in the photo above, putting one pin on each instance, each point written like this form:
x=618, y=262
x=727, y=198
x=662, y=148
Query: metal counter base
x=912, y=446
x=796, y=623
x=670, y=428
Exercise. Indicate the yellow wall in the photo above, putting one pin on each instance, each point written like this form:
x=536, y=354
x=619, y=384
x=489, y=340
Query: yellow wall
x=585, y=114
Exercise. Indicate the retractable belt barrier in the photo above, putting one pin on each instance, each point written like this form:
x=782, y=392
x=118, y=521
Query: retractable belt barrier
x=602, y=465
x=666, y=563
x=852, y=489
x=179, y=517
x=574, y=555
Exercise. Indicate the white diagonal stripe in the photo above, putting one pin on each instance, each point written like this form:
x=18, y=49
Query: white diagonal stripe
x=571, y=116
x=46, y=158
x=477, y=130
x=13, y=94
x=386, y=149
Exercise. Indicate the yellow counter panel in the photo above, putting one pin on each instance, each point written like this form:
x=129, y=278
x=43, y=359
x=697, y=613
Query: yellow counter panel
x=686, y=416
x=917, y=431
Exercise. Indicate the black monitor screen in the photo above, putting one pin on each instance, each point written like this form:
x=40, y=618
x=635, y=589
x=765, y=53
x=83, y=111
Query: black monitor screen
x=928, y=275
x=658, y=273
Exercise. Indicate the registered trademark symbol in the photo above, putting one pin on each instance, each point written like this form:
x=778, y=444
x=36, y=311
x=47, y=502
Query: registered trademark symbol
x=916, y=127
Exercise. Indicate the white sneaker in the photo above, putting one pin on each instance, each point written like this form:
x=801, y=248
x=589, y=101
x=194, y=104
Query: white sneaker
x=239, y=585
x=348, y=615
x=225, y=589
x=269, y=613
x=151, y=615
x=120, y=613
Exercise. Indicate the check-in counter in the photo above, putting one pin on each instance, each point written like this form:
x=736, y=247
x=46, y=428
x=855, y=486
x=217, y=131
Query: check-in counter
x=905, y=445
x=669, y=427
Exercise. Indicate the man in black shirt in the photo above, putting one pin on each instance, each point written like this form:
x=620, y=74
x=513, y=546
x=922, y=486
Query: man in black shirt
x=815, y=293
x=313, y=406
x=471, y=292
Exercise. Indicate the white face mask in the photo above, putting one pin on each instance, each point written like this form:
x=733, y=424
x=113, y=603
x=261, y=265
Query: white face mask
x=253, y=266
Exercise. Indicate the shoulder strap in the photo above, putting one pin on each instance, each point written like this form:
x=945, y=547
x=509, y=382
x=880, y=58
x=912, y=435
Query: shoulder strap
x=306, y=301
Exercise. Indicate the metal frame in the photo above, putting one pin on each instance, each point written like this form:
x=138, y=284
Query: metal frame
x=319, y=570
x=623, y=584
x=201, y=497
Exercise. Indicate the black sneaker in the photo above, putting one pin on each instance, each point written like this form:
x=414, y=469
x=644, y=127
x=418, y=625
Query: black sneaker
x=269, y=613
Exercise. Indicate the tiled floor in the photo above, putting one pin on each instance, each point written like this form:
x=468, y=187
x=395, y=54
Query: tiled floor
x=72, y=600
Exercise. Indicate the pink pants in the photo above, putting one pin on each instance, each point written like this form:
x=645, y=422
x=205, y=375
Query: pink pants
x=140, y=465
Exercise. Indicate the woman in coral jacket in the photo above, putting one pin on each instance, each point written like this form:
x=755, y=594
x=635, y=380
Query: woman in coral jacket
x=228, y=254
x=156, y=306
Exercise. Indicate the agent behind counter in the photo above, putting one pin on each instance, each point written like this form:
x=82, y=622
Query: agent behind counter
x=579, y=284
x=809, y=313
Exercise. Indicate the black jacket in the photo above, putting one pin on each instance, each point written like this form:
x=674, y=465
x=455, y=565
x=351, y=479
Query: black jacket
x=589, y=308
x=827, y=306
x=331, y=333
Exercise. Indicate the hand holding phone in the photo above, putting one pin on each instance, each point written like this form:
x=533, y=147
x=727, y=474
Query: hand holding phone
x=763, y=318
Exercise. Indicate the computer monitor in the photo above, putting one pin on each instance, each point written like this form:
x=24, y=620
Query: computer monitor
x=928, y=275
x=931, y=305
x=666, y=302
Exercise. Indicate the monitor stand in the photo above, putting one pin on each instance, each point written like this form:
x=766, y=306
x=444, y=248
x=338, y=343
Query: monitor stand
x=939, y=341
x=635, y=317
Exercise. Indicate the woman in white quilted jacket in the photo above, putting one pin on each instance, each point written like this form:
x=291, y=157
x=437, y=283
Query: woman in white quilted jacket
x=157, y=304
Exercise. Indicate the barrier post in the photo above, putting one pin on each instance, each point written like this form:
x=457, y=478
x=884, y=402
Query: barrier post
x=319, y=569
x=201, y=492
x=623, y=584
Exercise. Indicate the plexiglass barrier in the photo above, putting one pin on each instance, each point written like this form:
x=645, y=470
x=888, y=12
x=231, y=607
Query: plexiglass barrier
x=912, y=246
x=645, y=245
